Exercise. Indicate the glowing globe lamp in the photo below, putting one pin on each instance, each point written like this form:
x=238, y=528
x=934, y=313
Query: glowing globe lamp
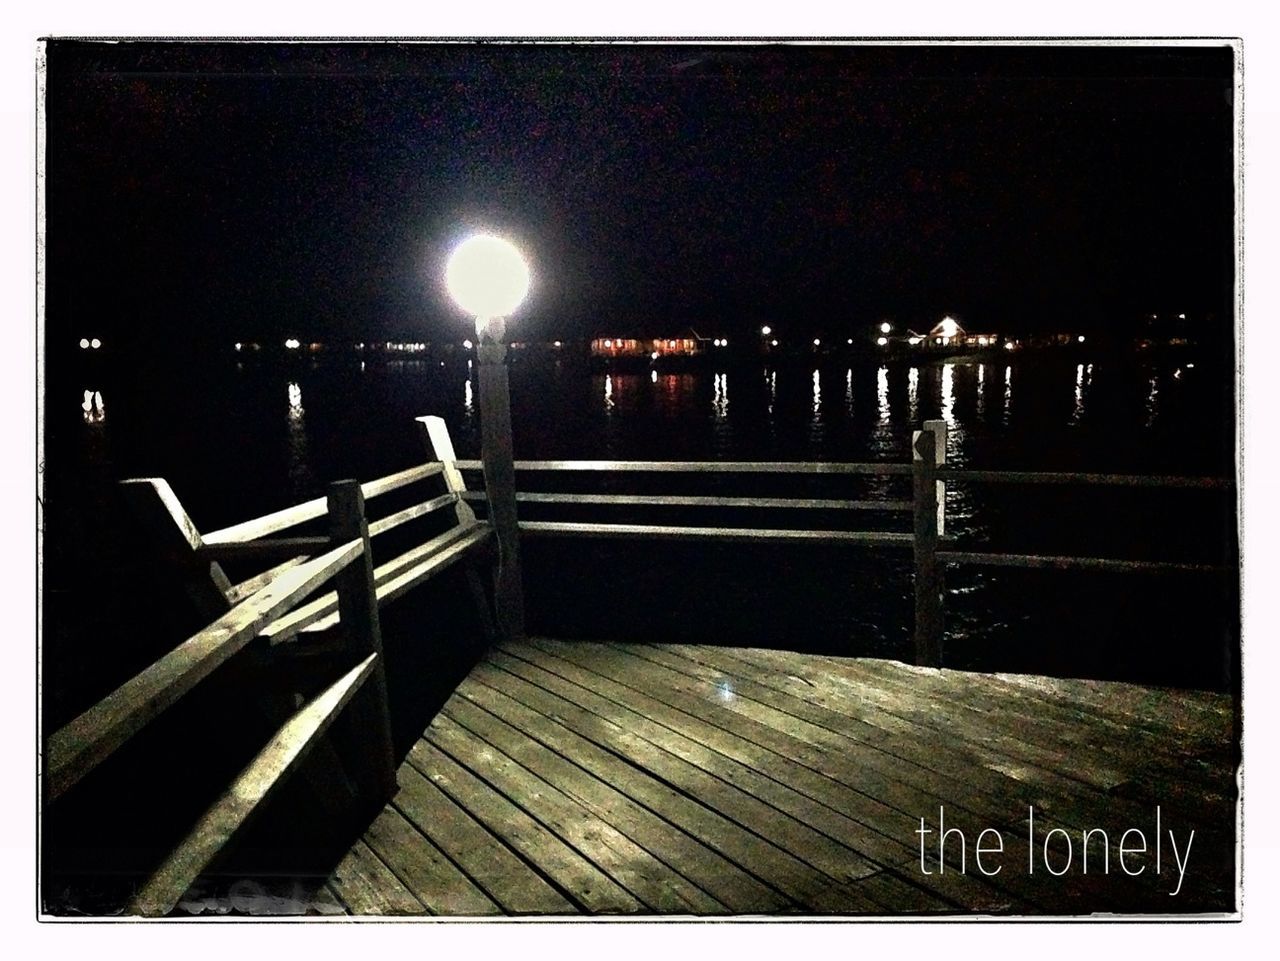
x=487, y=276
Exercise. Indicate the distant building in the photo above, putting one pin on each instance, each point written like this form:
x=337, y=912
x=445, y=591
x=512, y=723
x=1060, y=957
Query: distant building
x=947, y=335
x=685, y=345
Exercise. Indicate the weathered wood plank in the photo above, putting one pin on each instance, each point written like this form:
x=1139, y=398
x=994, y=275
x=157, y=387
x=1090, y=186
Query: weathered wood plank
x=1060, y=563
x=1079, y=477
x=683, y=500
x=270, y=549
x=731, y=887
x=246, y=795
x=297, y=514
x=368, y=887
x=1068, y=807
x=731, y=788
x=370, y=730
x=918, y=796
x=653, y=883
x=250, y=586
x=384, y=485
x=411, y=513
x=430, y=876
x=811, y=795
x=515, y=886
x=727, y=534
x=393, y=579
x=573, y=874
x=1057, y=736
x=702, y=467
x=750, y=851
x=767, y=762
x=85, y=742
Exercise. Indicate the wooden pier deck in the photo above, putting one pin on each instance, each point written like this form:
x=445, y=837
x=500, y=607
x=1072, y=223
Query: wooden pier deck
x=611, y=779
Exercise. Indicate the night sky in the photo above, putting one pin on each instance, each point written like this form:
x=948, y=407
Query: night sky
x=205, y=193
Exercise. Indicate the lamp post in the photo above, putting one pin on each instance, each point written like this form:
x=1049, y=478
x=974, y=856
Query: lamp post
x=489, y=279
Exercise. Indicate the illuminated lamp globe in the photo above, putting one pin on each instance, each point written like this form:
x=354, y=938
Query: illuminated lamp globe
x=486, y=276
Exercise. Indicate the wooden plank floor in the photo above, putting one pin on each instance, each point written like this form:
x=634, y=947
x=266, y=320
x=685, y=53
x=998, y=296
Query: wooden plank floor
x=566, y=777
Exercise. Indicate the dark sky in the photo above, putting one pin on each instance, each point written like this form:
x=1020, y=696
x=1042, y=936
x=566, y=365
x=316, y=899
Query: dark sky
x=235, y=191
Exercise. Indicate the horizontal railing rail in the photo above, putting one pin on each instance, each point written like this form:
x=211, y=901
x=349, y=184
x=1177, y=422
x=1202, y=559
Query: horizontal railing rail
x=703, y=467
x=81, y=745
x=1083, y=478
x=682, y=500
x=933, y=548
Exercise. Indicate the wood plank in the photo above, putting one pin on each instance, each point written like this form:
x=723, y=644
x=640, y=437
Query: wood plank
x=584, y=883
x=726, y=534
x=430, y=876
x=1078, y=477
x=1059, y=737
x=652, y=882
x=731, y=887
x=270, y=549
x=515, y=886
x=309, y=510
x=409, y=475
x=325, y=902
x=682, y=500
x=368, y=887
x=411, y=513
x=1066, y=812
x=748, y=850
x=735, y=790
x=393, y=579
x=1047, y=562
x=246, y=795
x=269, y=523
x=1080, y=776
x=703, y=467
x=962, y=809
x=249, y=586
x=86, y=741
x=815, y=799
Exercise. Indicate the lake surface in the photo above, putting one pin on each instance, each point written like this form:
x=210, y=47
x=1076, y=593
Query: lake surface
x=239, y=437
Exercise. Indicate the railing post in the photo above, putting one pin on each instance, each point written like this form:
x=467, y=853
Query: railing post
x=358, y=615
x=497, y=454
x=156, y=507
x=927, y=449
x=435, y=435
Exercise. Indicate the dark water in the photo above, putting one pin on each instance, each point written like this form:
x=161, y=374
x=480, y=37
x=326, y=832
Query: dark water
x=236, y=439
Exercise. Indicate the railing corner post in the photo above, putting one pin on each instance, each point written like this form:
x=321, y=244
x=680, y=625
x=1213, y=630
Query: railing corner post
x=358, y=613
x=926, y=446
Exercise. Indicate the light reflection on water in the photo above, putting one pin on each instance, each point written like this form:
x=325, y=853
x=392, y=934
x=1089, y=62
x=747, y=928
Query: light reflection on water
x=817, y=430
x=1008, y=393
x=300, y=477
x=913, y=395
x=1153, y=399
x=949, y=396
x=982, y=391
x=95, y=411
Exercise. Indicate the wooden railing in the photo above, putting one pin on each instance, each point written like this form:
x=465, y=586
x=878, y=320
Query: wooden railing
x=927, y=537
x=268, y=608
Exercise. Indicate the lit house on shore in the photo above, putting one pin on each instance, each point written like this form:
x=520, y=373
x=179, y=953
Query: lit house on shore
x=947, y=336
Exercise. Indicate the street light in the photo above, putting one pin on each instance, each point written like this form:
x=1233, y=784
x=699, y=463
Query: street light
x=766, y=330
x=489, y=278
x=886, y=328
